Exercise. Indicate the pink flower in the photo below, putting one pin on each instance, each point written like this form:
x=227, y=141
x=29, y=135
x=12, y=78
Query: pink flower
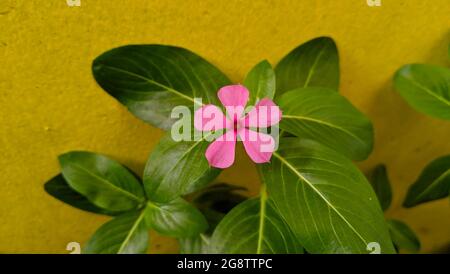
x=259, y=146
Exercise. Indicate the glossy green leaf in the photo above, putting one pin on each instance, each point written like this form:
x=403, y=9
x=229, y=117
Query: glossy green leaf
x=125, y=234
x=150, y=80
x=177, y=218
x=432, y=184
x=260, y=81
x=59, y=189
x=103, y=181
x=327, y=117
x=426, y=88
x=254, y=227
x=381, y=185
x=214, y=202
x=177, y=168
x=402, y=236
x=313, y=64
x=325, y=199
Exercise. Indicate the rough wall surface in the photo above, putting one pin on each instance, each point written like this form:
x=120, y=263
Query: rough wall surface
x=50, y=104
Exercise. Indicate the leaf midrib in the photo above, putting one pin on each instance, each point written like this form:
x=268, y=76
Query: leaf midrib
x=430, y=92
x=299, y=117
x=151, y=81
x=109, y=184
x=285, y=162
x=313, y=67
x=430, y=186
x=262, y=216
x=131, y=232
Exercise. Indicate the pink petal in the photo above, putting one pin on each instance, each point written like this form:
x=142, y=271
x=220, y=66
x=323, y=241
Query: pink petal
x=210, y=118
x=259, y=146
x=233, y=97
x=220, y=153
x=264, y=114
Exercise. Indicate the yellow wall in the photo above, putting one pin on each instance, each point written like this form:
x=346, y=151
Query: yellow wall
x=49, y=102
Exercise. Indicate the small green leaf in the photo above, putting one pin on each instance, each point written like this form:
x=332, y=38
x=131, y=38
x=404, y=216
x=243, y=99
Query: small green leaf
x=324, y=198
x=432, y=184
x=177, y=218
x=313, y=64
x=260, y=81
x=103, y=181
x=402, y=236
x=150, y=80
x=254, y=227
x=177, y=168
x=125, y=234
x=327, y=117
x=380, y=183
x=426, y=88
x=59, y=189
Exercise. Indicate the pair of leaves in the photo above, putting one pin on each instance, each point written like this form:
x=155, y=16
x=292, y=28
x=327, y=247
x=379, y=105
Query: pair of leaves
x=307, y=81
x=402, y=236
x=98, y=184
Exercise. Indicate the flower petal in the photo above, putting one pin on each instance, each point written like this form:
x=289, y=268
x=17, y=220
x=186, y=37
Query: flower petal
x=265, y=114
x=259, y=146
x=210, y=118
x=220, y=153
x=233, y=96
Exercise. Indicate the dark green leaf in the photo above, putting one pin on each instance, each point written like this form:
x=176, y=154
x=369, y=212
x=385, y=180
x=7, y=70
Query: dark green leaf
x=313, y=64
x=325, y=199
x=260, y=81
x=325, y=116
x=432, y=184
x=426, y=88
x=254, y=227
x=402, y=236
x=177, y=218
x=125, y=234
x=150, y=80
x=380, y=183
x=177, y=168
x=103, y=181
x=59, y=189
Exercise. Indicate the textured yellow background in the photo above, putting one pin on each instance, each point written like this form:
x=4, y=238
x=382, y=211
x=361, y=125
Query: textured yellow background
x=50, y=104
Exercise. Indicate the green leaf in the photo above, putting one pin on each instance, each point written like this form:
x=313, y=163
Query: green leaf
x=59, y=189
x=381, y=185
x=214, y=202
x=426, y=88
x=260, y=81
x=327, y=117
x=325, y=199
x=103, y=181
x=432, y=184
x=402, y=236
x=150, y=80
x=313, y=64
x=254, y=227
x=177, y=218
x=177, y=168
x=125, y=234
